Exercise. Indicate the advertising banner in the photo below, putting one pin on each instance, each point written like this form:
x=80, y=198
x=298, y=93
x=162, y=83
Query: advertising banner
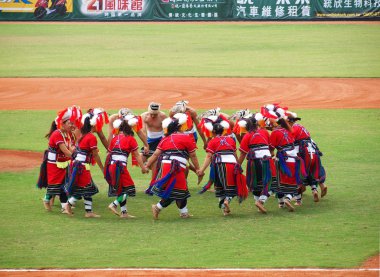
x=273, y=9
x=347, y=9
x=90, y=10
x=185, y=10
x=194, y=9
x=116, y=9
x=35, y=9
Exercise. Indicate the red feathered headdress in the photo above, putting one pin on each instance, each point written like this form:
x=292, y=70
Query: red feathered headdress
x=98, y=117
x=74, y=114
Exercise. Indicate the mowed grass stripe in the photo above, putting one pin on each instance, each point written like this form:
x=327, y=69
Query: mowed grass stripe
x=202, y=49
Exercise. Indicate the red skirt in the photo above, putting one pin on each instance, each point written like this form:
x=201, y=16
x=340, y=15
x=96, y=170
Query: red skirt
x=273, y=167
x=125, y=177
x=312, y=166
x=285, y=179
x=83, y=177
x=55, y=175
x=230, y=176
x=181, y=182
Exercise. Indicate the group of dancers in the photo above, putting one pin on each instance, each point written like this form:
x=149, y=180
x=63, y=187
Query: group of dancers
x=281, y=157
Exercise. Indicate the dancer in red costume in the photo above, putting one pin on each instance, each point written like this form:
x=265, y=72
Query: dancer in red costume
x=86, y=154
x=290, y=167
x=228, y=179
x=55, y=167
x=255, y=147
x=116, y=171
x=172, y=155
x=309, y=152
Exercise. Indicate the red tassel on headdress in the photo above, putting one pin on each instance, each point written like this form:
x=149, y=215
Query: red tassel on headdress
x=101, y=119
x=262, y=111
x=265, y=112
x=236, y=129
x=201, y=123
x=277, y=105
x=139, y=124
x=204, y=130
x=189, y=121
x=78, y=122
x=223, y=117
x=106, y=120
x=76, y=116
x=59, y=119
x=99, y=123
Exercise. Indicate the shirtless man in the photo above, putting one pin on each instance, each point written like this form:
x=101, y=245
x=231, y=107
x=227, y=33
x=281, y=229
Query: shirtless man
x=152, y=127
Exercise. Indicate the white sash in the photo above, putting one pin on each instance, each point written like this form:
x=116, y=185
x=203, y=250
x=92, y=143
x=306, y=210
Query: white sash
x=52, y=156
x=228, y=158
x=181, y=160
x=290, y=154
x=80, y=157
x=262, y=153
x=121, y=158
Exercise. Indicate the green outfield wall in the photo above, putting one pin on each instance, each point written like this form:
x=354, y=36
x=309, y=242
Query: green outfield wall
x=186, y=10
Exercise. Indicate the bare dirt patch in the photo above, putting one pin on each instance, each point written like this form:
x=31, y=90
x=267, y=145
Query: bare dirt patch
x=200, y=273
x=203, y=93
x=15, y=161
x=373, y=262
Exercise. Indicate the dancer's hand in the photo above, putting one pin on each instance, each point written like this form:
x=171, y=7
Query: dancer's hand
x=144, y=170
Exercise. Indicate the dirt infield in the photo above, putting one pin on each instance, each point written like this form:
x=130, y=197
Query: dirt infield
x=203, y=93
x=369, y=269
x=15, y=161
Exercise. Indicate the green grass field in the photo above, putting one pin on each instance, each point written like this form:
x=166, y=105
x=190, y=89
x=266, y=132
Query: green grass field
x=202, y=49
x=340, y=231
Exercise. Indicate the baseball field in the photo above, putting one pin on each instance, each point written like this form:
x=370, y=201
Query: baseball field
x=327, y=72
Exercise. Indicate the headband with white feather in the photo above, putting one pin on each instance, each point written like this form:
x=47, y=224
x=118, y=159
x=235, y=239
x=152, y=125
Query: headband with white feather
x=134, y=121
x=274, y=111
x=97, y=116
x=210, y=125
x=181, y=119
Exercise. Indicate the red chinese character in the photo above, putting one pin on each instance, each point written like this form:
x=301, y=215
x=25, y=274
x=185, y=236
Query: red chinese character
x=136, y=5
x=123, y=5
x=110, y=5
